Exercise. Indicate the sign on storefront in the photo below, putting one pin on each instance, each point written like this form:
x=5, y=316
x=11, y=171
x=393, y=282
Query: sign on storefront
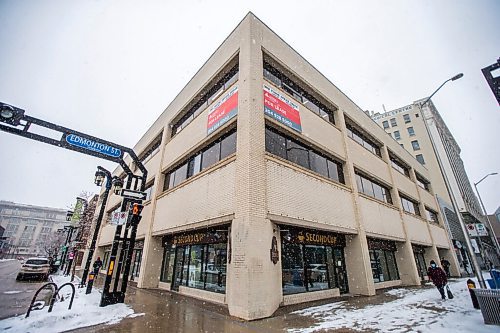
x=192, y=238
x=222, y=111
x=471, y=229
x=315, y=238
x=281, y=108
x=481, y=229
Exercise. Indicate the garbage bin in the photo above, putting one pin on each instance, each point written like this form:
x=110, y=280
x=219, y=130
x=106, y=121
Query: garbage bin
x=495, y=275
x=489, y=303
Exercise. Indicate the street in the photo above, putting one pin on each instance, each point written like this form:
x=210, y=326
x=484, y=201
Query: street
x=15, y=296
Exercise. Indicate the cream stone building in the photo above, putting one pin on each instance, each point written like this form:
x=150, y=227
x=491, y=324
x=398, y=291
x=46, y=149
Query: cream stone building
x=413, y=127
x=268, y=186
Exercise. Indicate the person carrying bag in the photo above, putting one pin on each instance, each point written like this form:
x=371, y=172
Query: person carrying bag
x=448, y=292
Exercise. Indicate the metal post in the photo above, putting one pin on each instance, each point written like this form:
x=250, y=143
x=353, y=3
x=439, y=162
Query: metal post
x=479, y=273
x=97, y=225
x=492, y=232
x=108, y=298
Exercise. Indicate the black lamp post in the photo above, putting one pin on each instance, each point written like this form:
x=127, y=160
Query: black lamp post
x=100, y=175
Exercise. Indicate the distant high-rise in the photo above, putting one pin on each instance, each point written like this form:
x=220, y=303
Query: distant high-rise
x=492, y=75
x=406, y=126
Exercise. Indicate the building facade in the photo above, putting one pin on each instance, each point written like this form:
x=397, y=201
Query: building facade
x=413, y=127
x=267, y=186
x=28, y=228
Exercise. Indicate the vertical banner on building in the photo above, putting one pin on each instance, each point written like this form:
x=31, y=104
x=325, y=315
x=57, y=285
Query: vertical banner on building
x=279, y=107
x=222, y=111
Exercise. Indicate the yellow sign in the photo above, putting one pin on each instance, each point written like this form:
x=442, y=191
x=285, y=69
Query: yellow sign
x=111, y=266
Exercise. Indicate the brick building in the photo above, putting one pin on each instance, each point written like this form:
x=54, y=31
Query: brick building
x=268, y=186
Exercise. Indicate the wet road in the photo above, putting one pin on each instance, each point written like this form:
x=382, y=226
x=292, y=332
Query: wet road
x=15, y=296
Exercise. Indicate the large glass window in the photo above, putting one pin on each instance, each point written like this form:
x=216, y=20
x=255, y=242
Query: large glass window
x=372, y=188
x=383, y=260
x=200, y=266
x=308, y=266
x=213, y=153
x=292, y=150
x=409, y=205
x=431, y=215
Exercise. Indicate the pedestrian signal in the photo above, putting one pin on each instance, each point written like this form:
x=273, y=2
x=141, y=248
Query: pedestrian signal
x=137, y=209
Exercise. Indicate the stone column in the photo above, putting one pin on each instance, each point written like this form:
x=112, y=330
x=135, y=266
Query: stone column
x=253, y=284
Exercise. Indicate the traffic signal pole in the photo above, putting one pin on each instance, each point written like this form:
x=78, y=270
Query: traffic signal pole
x=13, y=120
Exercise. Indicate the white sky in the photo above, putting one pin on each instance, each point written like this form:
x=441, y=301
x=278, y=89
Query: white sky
x=109, y=68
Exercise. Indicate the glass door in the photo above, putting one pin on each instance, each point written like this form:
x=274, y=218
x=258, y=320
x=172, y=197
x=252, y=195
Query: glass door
x=180, y=258
x=340, y=270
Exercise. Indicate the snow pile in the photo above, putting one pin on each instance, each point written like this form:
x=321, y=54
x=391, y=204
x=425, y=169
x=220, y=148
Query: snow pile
x=3, y=260
x=419, y=310
x=84, y=312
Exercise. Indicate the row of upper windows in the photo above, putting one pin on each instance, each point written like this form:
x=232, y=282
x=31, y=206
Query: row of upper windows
x=377, y=190
x=284, y=146
x=397, y=134
x=394, y=123
x=201, y=160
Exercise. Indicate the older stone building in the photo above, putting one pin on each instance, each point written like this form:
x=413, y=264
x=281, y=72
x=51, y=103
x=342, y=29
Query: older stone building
x=268, y=186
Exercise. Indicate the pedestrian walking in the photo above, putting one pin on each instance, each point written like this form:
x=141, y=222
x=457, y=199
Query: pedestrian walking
x=97, y=267
x=446, y=266
x=71, y=256
x=438, y=277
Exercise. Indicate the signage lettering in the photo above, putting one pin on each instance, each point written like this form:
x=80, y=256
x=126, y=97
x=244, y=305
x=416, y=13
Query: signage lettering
x=279, y=107
x=316, y=238
x=85, y=143
x=199, y=238
x=223, y=111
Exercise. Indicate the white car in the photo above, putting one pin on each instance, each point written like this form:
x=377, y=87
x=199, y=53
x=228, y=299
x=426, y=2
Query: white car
x=34, y=268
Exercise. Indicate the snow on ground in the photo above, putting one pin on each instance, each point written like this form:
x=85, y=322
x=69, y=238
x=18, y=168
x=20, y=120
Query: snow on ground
x=416, y=310
x=84, y=312
x=11, y=292
x=2, y=260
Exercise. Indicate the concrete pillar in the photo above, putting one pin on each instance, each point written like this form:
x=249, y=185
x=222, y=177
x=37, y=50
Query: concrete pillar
x=253, y=283
x=357, y=260
x=405, y=259
x=449, y=254
x=151, y=266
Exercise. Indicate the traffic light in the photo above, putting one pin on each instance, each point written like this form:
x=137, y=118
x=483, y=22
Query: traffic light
x=10, y=114
x=136, y=213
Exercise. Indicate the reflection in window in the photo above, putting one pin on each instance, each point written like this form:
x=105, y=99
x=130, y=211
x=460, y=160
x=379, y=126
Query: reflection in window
x=213, y=153
x=296, y=152
x=372, y=188
x=383, y=263
x=431, y=215
x=409, y=205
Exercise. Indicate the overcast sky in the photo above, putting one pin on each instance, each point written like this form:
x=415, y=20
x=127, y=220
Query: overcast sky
x=109, y=68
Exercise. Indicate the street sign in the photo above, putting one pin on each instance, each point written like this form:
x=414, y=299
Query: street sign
x=119, y=218
x=471, y=228
x=133, y=194
x=481, y=229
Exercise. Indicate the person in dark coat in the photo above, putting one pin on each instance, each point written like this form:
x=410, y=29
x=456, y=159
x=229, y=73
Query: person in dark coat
x=97, y=265
x=446, y=266
x=438, y=277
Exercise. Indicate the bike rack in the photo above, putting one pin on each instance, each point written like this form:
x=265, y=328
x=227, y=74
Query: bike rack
x=55, y=292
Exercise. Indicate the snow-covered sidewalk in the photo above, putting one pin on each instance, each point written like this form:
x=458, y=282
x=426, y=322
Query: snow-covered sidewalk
x=84, y=312
x=415, y=310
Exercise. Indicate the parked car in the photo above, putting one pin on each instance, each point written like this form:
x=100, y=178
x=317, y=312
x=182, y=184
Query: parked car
x=34, y=268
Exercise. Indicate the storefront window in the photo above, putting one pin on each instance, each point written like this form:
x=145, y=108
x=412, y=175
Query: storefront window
x=383, y=260
x=197, y=260
x=312, y=261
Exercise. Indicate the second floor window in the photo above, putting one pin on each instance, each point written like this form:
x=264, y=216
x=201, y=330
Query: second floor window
x=372, y=188
x=409, y=205
x=201, y=160
x=296, y=152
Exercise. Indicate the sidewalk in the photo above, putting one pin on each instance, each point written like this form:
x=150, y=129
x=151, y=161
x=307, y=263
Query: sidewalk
x=169, y=312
